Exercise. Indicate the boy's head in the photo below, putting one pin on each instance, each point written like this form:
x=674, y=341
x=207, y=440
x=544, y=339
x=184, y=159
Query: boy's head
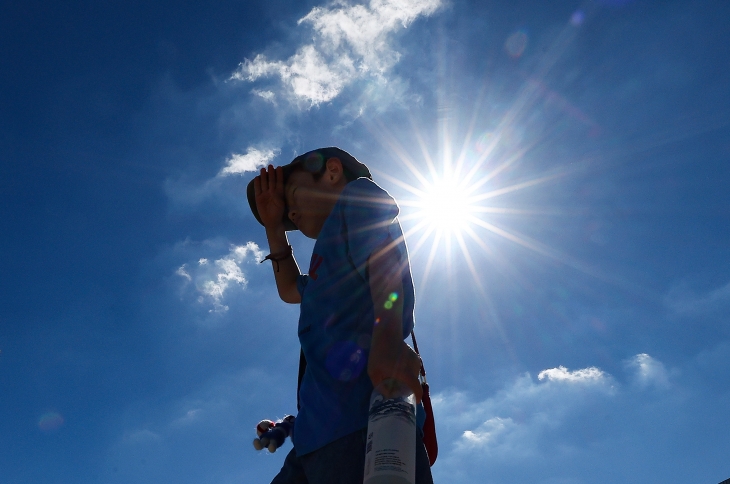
x=312, y=184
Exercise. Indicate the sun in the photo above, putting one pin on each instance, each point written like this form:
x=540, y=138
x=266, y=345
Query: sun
x=457, y=207
x=445, y=206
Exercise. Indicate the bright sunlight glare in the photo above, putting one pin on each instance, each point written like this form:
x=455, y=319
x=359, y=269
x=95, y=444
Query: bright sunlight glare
x=445, y=206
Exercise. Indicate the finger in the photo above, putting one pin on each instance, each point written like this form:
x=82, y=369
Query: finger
x=264, y=180
x=272, y=177
x=280, y=181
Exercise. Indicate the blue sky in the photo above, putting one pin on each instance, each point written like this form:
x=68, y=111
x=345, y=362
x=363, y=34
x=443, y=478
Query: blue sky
x=574, y=323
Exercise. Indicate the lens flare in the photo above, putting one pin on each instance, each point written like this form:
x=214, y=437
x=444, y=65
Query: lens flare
x=50, y=421
x=345, y=360
x=516, y=43
x=485, y=142
x=577, y=18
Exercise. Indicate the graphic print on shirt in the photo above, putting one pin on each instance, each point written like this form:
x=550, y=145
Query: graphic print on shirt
x=314, y=265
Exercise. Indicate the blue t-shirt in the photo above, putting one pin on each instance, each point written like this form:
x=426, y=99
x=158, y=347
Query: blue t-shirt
x=336, y=319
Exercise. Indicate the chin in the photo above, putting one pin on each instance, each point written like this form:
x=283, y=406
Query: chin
x=309, y=231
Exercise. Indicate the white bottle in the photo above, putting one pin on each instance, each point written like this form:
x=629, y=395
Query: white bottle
x=390, y=450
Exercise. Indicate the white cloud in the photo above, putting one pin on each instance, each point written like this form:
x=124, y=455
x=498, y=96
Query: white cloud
x=265, y=95
x=561, y=373
x=648, y=372
x=212, y=280
x=190, y=417
x=488, y=432
x=183, y=273
x=350, y=42
x=510, y=424
x=186, y=192
x=251, y=161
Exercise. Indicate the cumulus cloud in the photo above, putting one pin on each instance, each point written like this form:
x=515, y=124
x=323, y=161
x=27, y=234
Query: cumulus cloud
x=535, y=424
x=350, y=42
x=211, y=280
x=510, y=424
x=561, y=373
x=251, y=161
x=648, y=372
x=581, y=425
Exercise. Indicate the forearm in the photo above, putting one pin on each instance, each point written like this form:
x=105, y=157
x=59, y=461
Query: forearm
x=390, y=356
x=286, y=269
x=386, y=289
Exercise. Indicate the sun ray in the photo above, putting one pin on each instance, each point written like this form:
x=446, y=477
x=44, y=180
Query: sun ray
x=424, y=149
x=517, y=186
x=415, y=229
x=401, y=153
x=520, y=240
x=516, y=211
x=503, y=166
x=470, y=262
x=488, y=250
x=429, y=262
x=407, y=186
x=470, y=131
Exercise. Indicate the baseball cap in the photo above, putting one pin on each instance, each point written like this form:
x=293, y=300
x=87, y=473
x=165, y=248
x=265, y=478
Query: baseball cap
x=313, y=162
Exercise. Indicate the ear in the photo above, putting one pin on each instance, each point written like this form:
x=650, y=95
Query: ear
x=334, y=173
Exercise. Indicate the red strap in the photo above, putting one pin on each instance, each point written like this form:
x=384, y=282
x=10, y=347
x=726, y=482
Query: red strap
x=429, y=427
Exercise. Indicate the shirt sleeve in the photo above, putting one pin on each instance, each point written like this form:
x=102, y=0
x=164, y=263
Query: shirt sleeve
x=370, y=216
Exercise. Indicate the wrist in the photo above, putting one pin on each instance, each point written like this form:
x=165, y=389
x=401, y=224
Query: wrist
x=276, y=235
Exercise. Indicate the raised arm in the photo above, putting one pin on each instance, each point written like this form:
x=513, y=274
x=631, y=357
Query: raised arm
x=269, y=191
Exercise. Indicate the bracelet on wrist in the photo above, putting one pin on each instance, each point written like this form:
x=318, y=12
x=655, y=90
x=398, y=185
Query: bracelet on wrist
x=279, y=256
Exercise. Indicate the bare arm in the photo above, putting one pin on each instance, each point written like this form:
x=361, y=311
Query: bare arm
x=286, y=270
x=390, y=356
x=269, y=191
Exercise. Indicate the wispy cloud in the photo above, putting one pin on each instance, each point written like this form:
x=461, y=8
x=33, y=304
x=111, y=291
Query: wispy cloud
x=212, y=279
x=683, y=300
x=538, y=425
x=350, y=42
x=214, y=423
x=510, y=423
x=189, y=418
x=648, y=372
x=546, y=429
x=254, y=159
x=185, y=192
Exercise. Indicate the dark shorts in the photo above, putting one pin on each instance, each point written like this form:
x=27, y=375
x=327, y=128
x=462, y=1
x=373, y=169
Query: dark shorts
x=342, y=462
